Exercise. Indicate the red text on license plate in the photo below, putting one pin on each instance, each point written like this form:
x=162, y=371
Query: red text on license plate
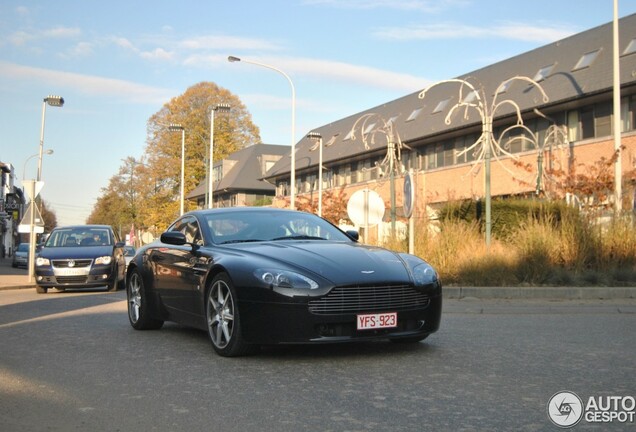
x=377, y=321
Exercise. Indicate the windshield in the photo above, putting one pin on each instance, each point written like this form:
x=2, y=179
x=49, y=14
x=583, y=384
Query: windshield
x=75, y=237
x=245, y=226
x=23, y=247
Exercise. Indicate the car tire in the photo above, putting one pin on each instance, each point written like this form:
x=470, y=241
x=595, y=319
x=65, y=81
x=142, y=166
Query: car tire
x=412, y=339
x=139, y=313
x=115, y=284
x=224, y=320
x=40, y=290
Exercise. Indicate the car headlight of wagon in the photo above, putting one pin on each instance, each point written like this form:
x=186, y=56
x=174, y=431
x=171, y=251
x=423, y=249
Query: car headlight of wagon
x=39, y=261
x=103, y=260
x=277, y=278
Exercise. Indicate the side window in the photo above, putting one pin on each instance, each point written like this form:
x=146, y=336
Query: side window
x=190, y=228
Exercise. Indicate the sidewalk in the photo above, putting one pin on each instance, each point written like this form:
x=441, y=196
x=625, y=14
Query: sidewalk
x=11, y=278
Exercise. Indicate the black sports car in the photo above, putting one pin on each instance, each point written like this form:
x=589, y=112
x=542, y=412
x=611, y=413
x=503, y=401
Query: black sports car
x=81, y=256
x=256, y=276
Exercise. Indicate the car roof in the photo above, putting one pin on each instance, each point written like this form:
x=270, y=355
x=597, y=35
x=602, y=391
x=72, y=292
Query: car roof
x=84, y=227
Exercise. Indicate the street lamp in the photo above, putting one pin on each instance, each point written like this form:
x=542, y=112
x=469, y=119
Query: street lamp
x=317, y=136
x=46, y=152
x=175, y=128
x=292, y=202
x=219, y=108
x=487, y=144
x=55, y=101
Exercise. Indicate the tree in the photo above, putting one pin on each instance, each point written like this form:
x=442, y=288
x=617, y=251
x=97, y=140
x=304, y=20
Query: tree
x=232, y=131
x=48, y=216
x=146, y=192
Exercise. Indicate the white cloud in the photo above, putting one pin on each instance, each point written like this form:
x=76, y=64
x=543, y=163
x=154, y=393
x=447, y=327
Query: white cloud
x=61, y=32
x=22, y=10
x=82, y=49
x=349, y=73
x=449, y=30
x=428, y=6
x=20, y=38
x=88, y=84
x=124, y=43
x=157, y=54
x=228, y=43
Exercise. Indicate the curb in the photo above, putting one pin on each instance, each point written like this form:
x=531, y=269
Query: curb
x=511, y=293
x=547, y=293
x=15, y=287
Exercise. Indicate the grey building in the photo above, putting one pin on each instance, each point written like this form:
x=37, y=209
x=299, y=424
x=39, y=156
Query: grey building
x=238, y=179
x=576, y=75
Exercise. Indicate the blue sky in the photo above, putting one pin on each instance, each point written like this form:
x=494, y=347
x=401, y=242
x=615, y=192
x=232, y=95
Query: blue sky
x=117, y=62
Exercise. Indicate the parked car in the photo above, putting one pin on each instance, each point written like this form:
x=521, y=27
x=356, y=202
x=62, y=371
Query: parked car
x=81, y=256
x=129, y=253
x=21, y=256
x=254, y=276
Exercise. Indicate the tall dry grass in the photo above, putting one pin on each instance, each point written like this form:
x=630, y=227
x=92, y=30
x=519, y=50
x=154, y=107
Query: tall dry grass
x=574, y=251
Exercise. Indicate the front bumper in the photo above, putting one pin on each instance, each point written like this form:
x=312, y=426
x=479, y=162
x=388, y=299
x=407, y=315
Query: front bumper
x=290, y=323
x=95, y=277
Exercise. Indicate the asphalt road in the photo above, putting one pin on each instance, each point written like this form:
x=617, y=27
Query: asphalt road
x=71, y=362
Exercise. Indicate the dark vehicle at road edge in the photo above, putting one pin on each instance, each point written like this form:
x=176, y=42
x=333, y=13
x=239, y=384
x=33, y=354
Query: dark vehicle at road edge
x=81, y=256
x=262, y=276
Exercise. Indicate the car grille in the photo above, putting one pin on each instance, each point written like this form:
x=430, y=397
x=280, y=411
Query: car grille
x=359, y=299
x=71, y=279
x=76, y=263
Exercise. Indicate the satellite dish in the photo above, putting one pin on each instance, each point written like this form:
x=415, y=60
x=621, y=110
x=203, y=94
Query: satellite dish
x=365, y=208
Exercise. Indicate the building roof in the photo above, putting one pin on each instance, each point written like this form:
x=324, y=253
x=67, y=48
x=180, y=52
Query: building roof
x=247, y=171
x=553, y=66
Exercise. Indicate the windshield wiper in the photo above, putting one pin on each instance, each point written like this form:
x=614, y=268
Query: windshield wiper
x=299, y=237
x=241, y=241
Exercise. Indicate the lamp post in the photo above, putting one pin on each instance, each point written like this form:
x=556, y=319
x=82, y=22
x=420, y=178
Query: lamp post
x=220, y=108
x=317, y=136
x=176, y=128
x=292, y=202
x=46, y=152
x=371, y=124
x=486, y=145
x=55, y=101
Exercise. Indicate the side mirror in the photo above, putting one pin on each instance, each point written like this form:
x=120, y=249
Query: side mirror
x=353, y=234
x=120, y=244
x=173, y=238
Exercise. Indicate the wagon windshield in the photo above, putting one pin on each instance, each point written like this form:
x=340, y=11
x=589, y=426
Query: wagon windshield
x=73, y=237
x=242, y=226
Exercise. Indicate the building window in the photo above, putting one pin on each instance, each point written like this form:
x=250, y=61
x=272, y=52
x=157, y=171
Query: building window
x=603, y=119
x=586, y=60
x=416, y=112
x=586, y=119
x=470, y=97
x=631, y=47
x=441, y=106
x=543, y=73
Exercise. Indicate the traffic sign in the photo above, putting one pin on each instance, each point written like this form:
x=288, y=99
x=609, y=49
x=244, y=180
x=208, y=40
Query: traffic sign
x=365, y=208
x=38, y=222
x=409, y=195
x=32, y=187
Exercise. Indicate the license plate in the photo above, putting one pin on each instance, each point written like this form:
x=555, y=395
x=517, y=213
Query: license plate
x=71, y=272
x=377, y=321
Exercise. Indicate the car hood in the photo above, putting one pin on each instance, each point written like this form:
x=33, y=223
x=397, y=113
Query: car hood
x=76, y=252
x=340, y=263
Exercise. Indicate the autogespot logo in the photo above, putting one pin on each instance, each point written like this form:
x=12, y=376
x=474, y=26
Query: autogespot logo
x=565, y=409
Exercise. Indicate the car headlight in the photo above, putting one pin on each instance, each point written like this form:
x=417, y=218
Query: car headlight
x=424, y=274
x=39, y=261
x=277, y=278
x=105, y=260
